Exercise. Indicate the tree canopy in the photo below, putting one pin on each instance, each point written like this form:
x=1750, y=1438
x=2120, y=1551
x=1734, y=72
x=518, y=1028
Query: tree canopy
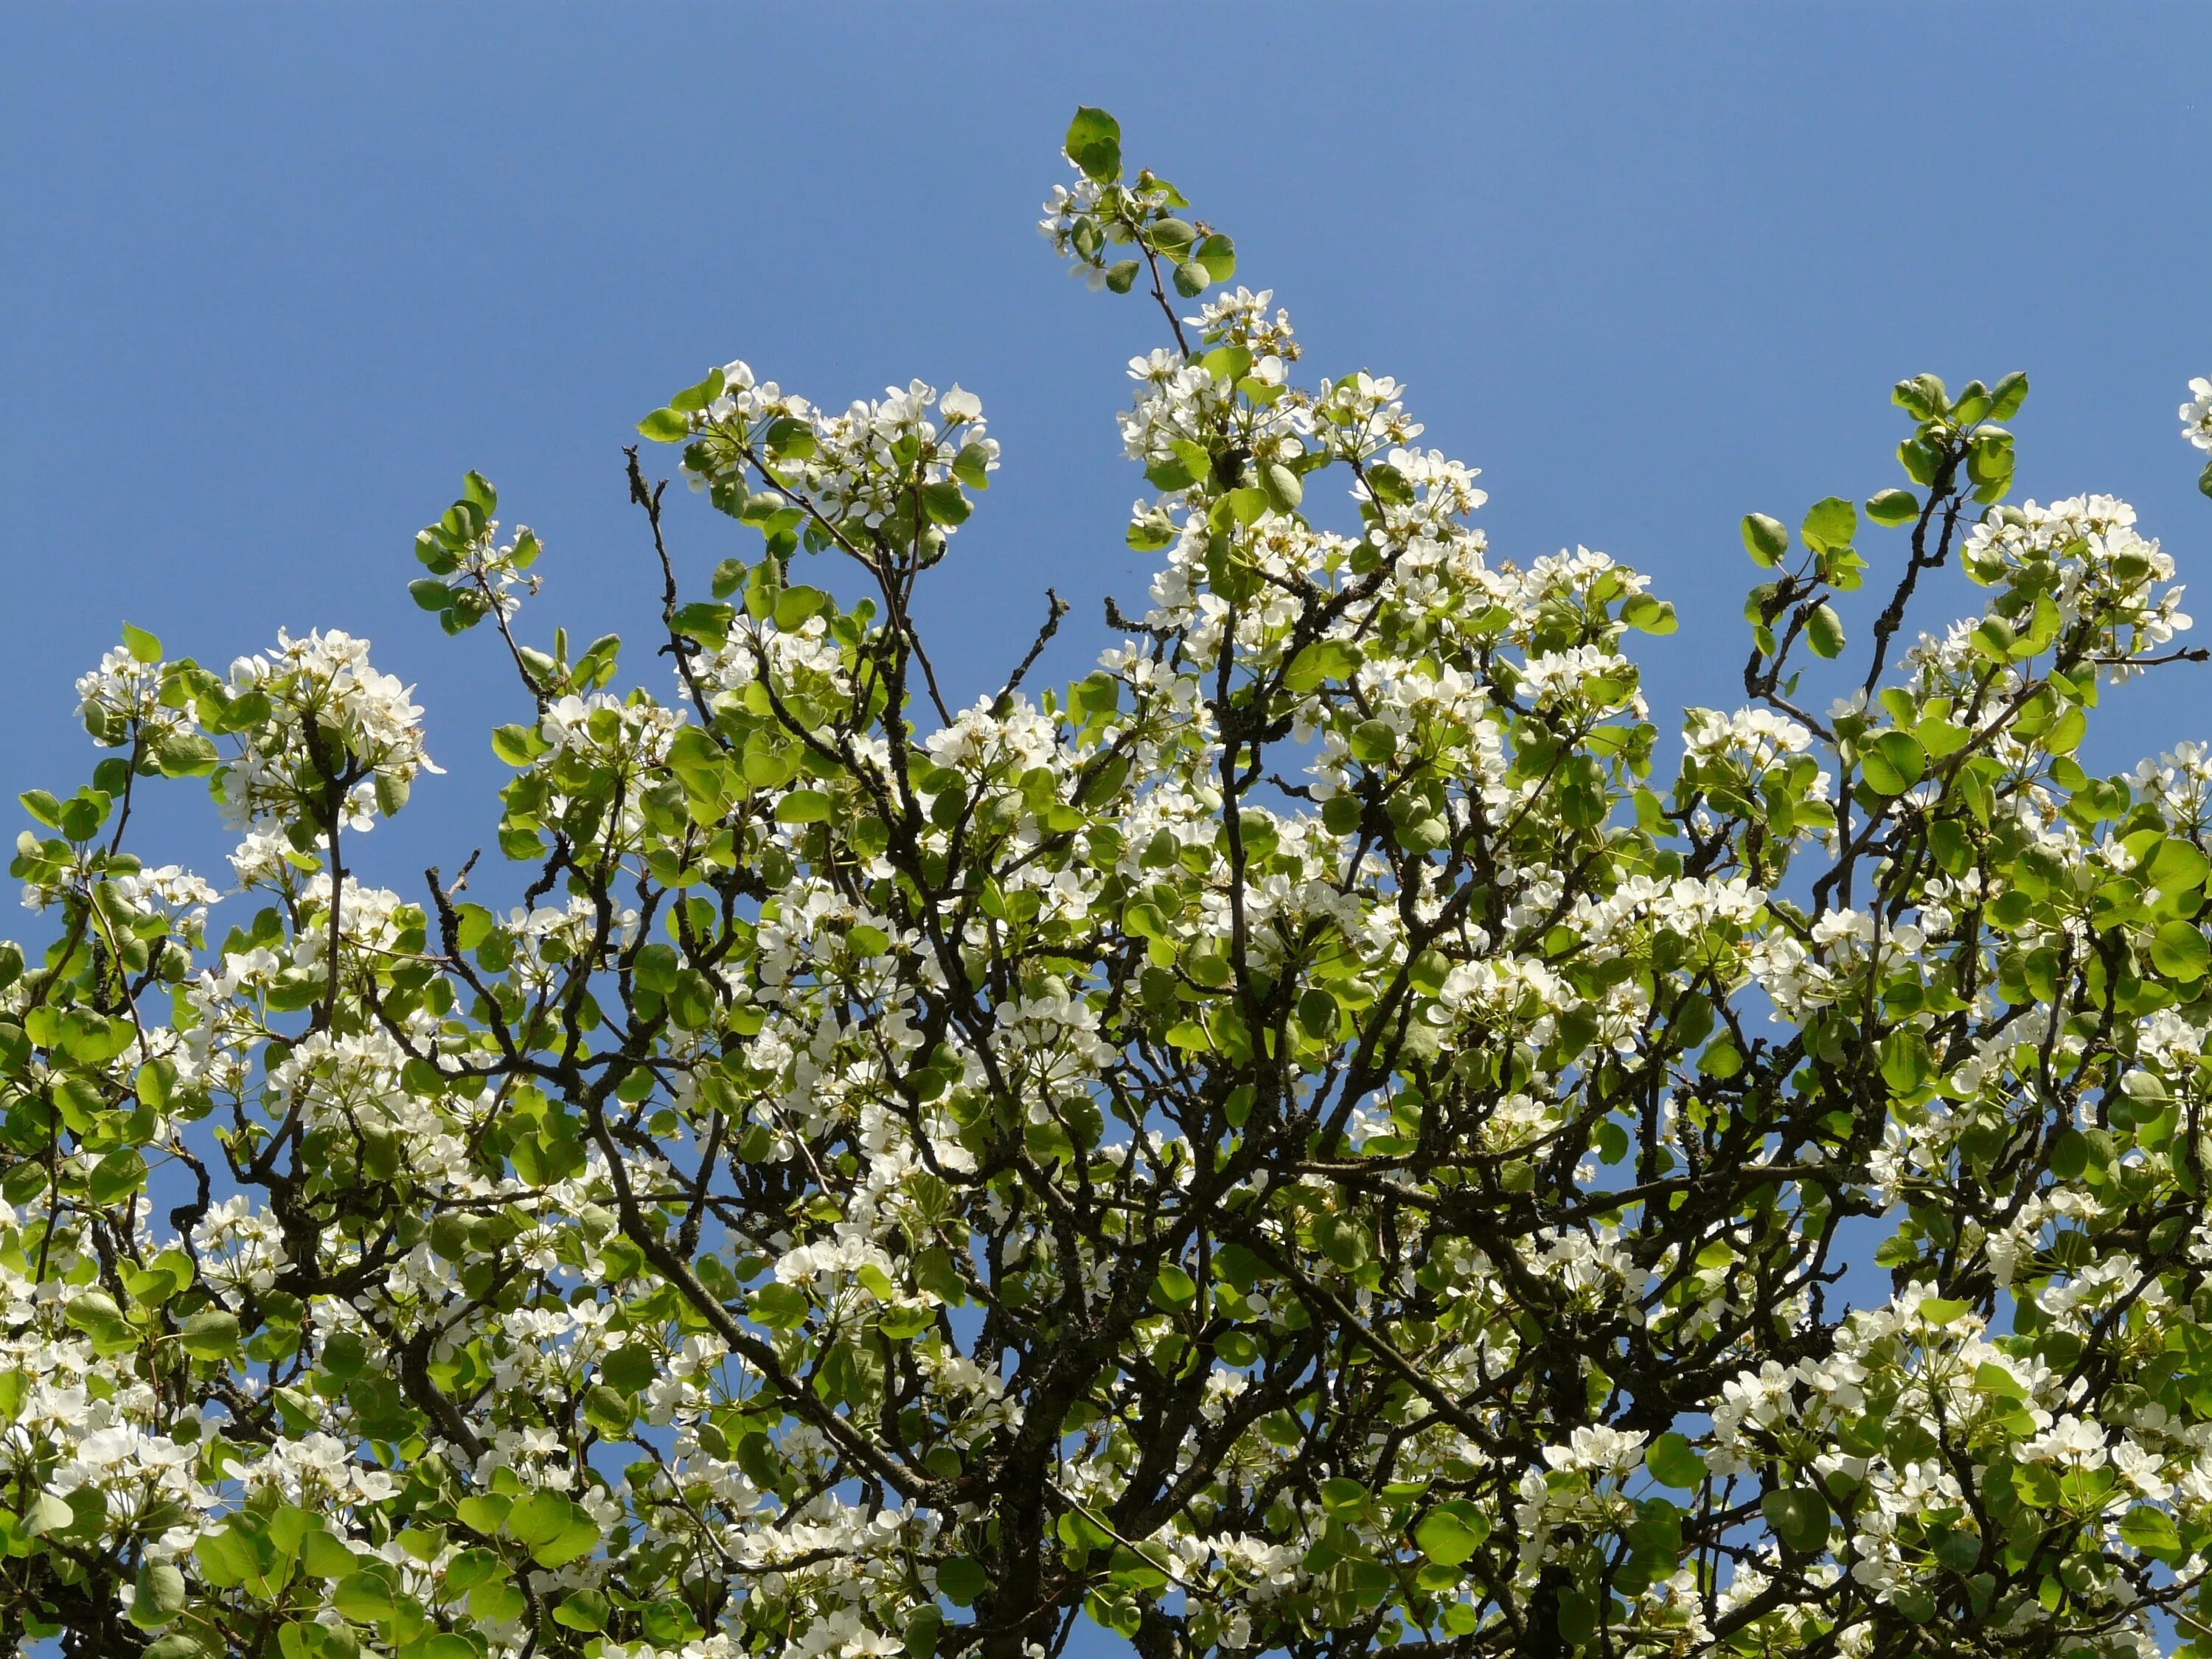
x=1328, y=1133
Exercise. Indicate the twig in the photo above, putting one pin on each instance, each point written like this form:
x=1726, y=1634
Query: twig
x=1044, y=637
x=682, y=648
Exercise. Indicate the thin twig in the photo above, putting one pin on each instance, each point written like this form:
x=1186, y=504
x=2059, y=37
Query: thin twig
x=1044, y=637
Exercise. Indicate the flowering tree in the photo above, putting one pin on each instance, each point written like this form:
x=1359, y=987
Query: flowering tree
x=1301, y=1139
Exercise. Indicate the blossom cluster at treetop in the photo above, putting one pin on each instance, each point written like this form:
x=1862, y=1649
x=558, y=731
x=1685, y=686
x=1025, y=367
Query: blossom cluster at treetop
x=1332, y=1132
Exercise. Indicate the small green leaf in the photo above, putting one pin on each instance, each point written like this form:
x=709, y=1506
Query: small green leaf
x=1173, y=1287
x=1923, y=397
x=2007, y=395
x=1799, y=1516
x=363, y=1597
x=538, y=1518
x=945, y=502
x=1373, y=742
x=515, y=744
x=578, y=1537
x=1247, y=506
x=1893, y=763
x=1995, y=1379
x=665, y=426
x=581, y=1609
x=1892, y=507
x=2070, y=1155
x=962, y=1580
x=1452, y=1532
x=1831, y=526
x=1094, y=143
x=160, y=1594
x=2178, y=952
x=44, y=1513
x=803, y=806
x=211, y=1335
x=1191, y=279
x=143, y=647
x=1765, y=539
x=1218, y=255
x=484, y=1511
x=1672, y=1462
x=1651, y=616
x=1824, y=630
x=2151, y=1531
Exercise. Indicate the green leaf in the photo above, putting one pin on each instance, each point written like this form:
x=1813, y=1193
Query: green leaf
x=578, y=1537
x=538, y=1518
x=518, y=745
x=143, y=647
x=972, y=466
x=1651, y=616
x=1824, y=630
x=212, y=1334
x=795, y=606
x=1173, y=1287
x=1799, y=1516
x=693, y=399
x=1190, y=279
x=1831, y=526
x=363, y=1597
x=665, y=426
x=484, y=1511
x=44, y=1513
x=945, y=503
x=160, y=1594
x=324, y=1556
x=1373, y=742
x=2007, y=395
x=1343, y=1496
x=2151, y=1531
x=962, y=1580
x=1923, y=397
x=1094, y=143
x=780, y=1307
x=1765, y=539
x=1452, y=1532
x=1218, y=255
x=2178, y=952
x=630, y=1367
x=1672, y=1462
x=804, y=806
x=581, y=1609
x=1994, y=1379
x=1893, y=763
x=1172, y=236
x=2070, y=1155
x=1892, y=507
x=1247, y=506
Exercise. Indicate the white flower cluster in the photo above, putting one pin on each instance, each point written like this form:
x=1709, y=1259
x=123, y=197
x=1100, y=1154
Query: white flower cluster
x=333, y=720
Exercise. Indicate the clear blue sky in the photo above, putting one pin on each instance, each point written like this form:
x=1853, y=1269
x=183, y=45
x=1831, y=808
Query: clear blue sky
x=276, y=277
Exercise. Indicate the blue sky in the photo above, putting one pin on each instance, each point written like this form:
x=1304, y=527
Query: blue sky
x=278, y=277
